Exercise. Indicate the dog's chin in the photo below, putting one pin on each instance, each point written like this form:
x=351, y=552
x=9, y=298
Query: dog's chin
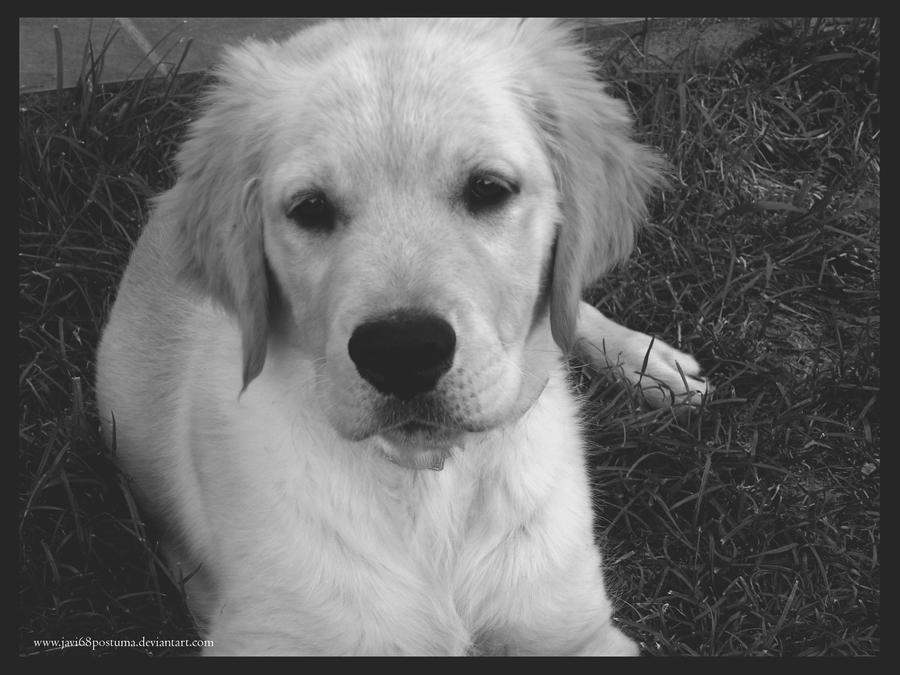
x=414, y=445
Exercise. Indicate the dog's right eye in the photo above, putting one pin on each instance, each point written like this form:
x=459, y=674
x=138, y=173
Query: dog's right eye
x=485, y=192
x=313, y=212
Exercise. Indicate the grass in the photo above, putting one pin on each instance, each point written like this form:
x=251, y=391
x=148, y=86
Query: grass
x=750, y=527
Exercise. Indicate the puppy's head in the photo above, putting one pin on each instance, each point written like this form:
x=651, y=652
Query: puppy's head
x=427, y=201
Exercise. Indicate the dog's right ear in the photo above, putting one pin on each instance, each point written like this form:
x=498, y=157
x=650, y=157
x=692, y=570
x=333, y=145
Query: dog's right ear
x=603, y=176
x=215, y=204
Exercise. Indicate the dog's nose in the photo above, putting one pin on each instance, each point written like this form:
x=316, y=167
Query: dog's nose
x=404, y=353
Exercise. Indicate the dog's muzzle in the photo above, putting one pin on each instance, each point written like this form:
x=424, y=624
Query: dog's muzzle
x=403, y=355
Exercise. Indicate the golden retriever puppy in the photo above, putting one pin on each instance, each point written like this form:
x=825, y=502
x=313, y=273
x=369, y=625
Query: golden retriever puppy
x=335, y=365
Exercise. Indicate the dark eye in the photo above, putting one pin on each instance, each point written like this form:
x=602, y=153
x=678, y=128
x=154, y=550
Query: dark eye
x=312, y=212
x=486, y=191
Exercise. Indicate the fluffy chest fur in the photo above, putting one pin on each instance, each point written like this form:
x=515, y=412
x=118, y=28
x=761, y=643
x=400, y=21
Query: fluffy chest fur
x=326, y=523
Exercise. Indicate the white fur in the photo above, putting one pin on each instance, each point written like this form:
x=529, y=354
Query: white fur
x=664, y=375
x=310, y=524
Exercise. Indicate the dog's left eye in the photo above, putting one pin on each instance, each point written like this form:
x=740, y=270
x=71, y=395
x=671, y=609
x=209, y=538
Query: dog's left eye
x=486, y=191
x=313, y=212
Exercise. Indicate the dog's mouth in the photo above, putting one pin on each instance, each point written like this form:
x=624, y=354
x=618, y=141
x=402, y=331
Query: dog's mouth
x=418, y=444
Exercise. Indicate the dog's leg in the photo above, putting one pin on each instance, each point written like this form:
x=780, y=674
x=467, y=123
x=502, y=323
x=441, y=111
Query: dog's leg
x=570, y=613
x=664, y=374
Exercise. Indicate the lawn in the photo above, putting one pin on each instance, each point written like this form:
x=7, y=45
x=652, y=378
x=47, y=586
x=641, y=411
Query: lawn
x=751, y=527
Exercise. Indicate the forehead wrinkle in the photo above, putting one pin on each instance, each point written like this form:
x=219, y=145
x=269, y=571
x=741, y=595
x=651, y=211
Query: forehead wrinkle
x=384, y=112
x=432, y=100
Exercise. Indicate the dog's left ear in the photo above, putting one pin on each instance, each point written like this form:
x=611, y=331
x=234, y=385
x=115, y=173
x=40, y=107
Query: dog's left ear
x=215, y=207
x=603, y=176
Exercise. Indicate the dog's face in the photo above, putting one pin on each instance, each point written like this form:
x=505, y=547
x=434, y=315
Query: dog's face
x=413, y=206
x=414, y=201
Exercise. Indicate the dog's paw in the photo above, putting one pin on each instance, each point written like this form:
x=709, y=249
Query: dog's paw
x=665, y=376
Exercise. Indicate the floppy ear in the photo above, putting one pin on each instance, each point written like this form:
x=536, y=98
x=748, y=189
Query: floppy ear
x=215, y=203
x=602, y=175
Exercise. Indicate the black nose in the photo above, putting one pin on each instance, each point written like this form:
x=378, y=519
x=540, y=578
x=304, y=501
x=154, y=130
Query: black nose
x=404, y=353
